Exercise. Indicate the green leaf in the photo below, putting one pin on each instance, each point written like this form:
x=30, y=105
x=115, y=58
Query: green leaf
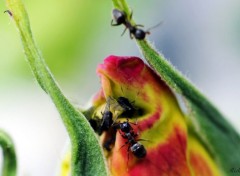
x=206, y=121
x=9, y=167
x=87, y=155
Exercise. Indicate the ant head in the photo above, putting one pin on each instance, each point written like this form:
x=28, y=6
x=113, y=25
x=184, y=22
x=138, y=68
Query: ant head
x=119, y=16
x=125, y=103
x=140, y=34
x=125, y=127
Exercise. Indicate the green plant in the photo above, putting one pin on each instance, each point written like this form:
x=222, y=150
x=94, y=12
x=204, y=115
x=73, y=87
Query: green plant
x=203, y=119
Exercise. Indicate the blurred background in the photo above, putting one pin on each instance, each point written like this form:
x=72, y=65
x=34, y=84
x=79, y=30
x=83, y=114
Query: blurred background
x=200, y=38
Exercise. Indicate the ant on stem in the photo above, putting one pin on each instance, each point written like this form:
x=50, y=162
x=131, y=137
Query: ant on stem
x=121, y=18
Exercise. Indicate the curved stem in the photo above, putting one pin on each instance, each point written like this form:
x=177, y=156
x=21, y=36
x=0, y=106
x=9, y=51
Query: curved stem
x=9, y=167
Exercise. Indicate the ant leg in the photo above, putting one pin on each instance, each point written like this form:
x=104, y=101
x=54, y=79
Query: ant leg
x=115, y=121
x=132, y=122
x=132, y=102
x=122, y=90
x=138, y=25
x=148, y=32
x=149, y=29
x=144, y=140
x=131, y=14
x=9, y=12
x=128, y=156
x=123, y=145
x=115, y=125
x=109, y=142
x=131, y=37
x=122, y=134
x=112, y=24
x=124, y=31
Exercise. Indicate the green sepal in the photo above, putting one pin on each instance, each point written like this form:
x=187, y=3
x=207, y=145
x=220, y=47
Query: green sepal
x=87, y=156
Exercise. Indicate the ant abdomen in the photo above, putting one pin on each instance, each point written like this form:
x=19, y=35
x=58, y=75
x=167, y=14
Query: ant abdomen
x=138, y=150
x=139, y=34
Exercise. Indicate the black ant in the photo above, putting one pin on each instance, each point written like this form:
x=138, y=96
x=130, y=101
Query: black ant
x=127, y=107
x=107, y=121
x=107, y=118
x=104, y=124
x=121, y=18
x=128, y=133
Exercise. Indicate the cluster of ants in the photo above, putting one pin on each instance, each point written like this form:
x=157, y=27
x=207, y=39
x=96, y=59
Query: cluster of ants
x=107, y=123
x=125, y=128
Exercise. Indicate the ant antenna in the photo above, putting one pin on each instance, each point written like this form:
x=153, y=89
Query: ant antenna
x=127, y=151
x=108, y=104
x=131, y=14
x=153, y=27
x=124, y=31
x=9, y=12
x=139, y=25
x=146, y=140
x=121, y=86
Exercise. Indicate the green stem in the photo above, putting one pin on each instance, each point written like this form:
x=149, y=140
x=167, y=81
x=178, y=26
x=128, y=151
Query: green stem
x=9, y=156
x=87, y=155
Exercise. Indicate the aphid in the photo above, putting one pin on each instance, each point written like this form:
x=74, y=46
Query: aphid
x=121, y=18
x=128, y=133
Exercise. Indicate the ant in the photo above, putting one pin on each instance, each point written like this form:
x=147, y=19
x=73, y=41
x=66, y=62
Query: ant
x=107, y=119
x=127, y=106
x=121, y=18
x=124, y=106
x=128, y=133
x=107, y=122
x=104, y=123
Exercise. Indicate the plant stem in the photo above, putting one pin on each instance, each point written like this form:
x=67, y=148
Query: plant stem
x=87, y=155
x=9, y=156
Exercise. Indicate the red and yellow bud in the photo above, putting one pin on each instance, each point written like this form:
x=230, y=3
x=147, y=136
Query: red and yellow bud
x=171, y=149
